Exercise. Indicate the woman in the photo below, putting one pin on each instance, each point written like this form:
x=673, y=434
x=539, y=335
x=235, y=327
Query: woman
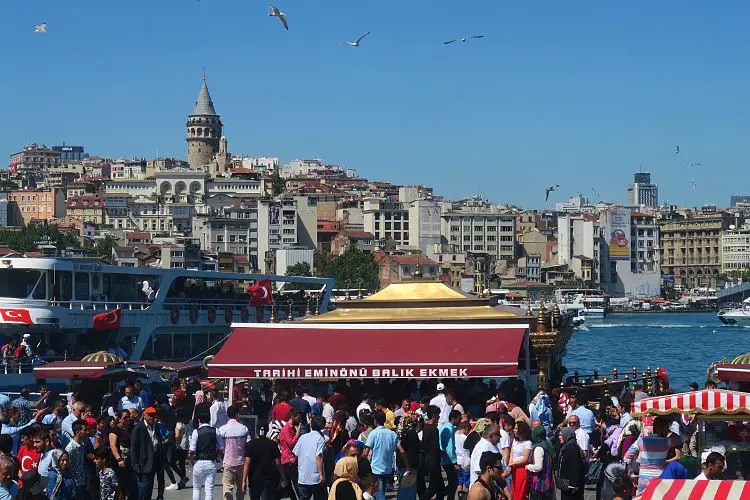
x=571, y=475
x=345, y=486
x=475, y=435
x=520, y=452
x=182, y=432
x=61, y=483
x=628, y=436
x=336, y=438
x=119, y=446
x=408, y=431
x=542, y=483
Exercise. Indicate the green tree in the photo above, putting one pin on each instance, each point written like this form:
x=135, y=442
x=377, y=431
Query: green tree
x=104, y=246
x=7, y=185
x=354, y=268
x=277, y=184
x=299, y=269
x=29, y=237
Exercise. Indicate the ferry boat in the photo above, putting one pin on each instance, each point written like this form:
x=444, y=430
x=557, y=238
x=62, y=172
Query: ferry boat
x=739, y=316
x=166, y=314
x=586, y=301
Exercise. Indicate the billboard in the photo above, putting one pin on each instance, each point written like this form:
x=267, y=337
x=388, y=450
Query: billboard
x=618, y=234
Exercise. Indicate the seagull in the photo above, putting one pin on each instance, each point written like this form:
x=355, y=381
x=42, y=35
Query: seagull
x=357, y=41
x=550, y=189
x=40, y=28
x=275, y=12
x=693, y=184
x=463, y=39
x=698, y=164
x=678, y=150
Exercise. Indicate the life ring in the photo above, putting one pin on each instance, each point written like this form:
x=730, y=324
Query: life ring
x=193, y=313
x=228, y=314
x=174, y=315
x=244, y=314
x=211, y=314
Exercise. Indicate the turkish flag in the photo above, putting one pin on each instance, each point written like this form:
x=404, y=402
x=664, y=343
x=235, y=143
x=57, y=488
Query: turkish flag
x=108, y=320
x=16, y=316
x=260, y=293
x=13, y=167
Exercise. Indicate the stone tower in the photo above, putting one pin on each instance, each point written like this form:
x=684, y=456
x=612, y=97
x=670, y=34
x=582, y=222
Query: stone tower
x=203, y=130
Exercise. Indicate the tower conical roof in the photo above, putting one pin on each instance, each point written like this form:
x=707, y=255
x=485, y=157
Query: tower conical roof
x=204, y=105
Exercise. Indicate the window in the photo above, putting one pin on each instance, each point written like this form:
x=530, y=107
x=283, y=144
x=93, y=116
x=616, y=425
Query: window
x=477, y=247
x=477, y=238
x=82, y=286
x=478, y=228
x=220, y=238
x=467, y=238
x=455, y=229
x=491, y=228
x=388, y=226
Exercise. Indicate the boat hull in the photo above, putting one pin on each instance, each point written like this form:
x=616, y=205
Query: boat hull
x=735, y=318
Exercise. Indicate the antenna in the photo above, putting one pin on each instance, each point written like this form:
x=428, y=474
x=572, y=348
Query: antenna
x=205, y=75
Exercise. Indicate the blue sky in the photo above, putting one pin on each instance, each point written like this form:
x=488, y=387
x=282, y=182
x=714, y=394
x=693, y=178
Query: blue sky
x=578, y=93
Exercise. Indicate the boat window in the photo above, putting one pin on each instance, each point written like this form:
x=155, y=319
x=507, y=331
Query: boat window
x=82, y=286
x=63, y=286
x=18, y=283
x=128, y=287
x=162, y=344
x=182, y=346
x=200, y=344
x=40, y=290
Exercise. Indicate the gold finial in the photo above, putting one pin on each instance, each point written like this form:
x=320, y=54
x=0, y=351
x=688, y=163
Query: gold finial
x=290, y=317
x=317, y=307
x=307, y=306
x=614, y=373
x=274, y=317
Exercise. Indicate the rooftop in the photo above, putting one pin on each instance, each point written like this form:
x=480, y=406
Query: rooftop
x=204, y=106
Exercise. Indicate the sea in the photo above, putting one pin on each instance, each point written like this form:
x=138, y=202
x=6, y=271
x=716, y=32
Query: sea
x=683, y=343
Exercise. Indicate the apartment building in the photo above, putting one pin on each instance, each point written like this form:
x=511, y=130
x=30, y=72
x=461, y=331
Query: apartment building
x=387, y=220
x=735, y=251
x=86, y=208
x=36, y=205
x=578, y=242
x=480, y=230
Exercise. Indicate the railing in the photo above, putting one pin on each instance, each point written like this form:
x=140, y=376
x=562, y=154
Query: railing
x=104, y=305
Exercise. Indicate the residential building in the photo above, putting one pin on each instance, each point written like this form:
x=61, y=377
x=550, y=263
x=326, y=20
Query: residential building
x=36, y=205
x=578, y=241
x=535, y=242
x=314, y=168
x=34, y=157
x=529, y=268
x=739, y=200
x=70, y=153
x=263, y=164
x=387, y=221
x=451, y=263
x=4, y=207
x=64, y=174
x=287, y=257
x=642, y=193
x=397, y=267
x=575, y=204
x=360, y=239
x=735, y=251
x=691, y=248
x=86, y=208
x=480, y=229
x=134, y=168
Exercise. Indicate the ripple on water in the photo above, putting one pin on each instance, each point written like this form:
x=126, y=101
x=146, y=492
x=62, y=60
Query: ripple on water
x=684, y=343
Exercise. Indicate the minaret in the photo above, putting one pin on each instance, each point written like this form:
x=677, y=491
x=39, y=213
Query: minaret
x=203, y=130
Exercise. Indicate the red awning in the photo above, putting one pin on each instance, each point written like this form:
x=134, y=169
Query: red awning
x=303, y=351
x=75, y=369
x=729, y=372
x=696, y=490
x=705, y=402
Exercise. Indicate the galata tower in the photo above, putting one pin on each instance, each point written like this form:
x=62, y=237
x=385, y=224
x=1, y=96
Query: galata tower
x=203, y=130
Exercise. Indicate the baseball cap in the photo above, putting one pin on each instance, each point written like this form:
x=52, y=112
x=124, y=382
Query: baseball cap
x=441, y=386
x=150, y=411
x=26, y=335
x=90, y=422
x=35, y=483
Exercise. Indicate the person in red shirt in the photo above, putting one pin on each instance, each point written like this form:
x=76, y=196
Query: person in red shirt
x=29, y=455
x=283, y=408
x=287, y=440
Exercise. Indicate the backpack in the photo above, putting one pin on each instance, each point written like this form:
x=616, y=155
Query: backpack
x=544, y=480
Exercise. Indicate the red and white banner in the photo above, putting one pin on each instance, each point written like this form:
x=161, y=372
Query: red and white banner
x=109, y=320
x=674, y=489
x=16, y=316
x=260, y=293
x=705, y=402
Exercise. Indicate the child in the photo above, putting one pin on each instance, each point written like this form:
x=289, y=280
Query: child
x=463, y=459
x=108, y=487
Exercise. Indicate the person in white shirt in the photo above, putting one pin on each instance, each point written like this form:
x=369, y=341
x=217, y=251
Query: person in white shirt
x=364, y=405
x=218, y=410
x=582, y=437
x=489, y=441
x=713, y=468
x=306, y=396
x=507, y=424
x=232, y=438
x=328, y=410
x=440, y=401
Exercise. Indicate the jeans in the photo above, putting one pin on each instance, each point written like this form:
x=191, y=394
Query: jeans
x=231, y=482
x=145, y=484
x=314, y=491
x=384, y=480
x=451, y=474
x=204, y=475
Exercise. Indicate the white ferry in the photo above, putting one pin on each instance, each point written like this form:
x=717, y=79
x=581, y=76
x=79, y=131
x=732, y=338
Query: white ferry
x=585, y=301
x=739, y=316
x=166, y=314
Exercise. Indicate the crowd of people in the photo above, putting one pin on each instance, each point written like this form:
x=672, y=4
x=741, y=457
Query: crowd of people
x=434, y=440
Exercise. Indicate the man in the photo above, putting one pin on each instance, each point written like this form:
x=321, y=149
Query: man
x=204, y=450
x=638, y=393
x=25, y=406
x=55, y=419
x=582, y=437
x=380, y=447
x=142, y=393
x=327, y=410
x=263, y=468
x=146, y=454
x=364, y=405
x=448, y=446
x=288, y=438
x=309, y=452
x=440, y=401
x=8, y=487
x=307, y=397
x=491, y=472
x=300, y=404
x=432, y=456
x=29, y=458
x=654, y=449
x=130, y=399
x=218, y=410
x=586, y=417
x=282, y=408
x=338, y=400
x=507, y=424
x=450, y=398
x=713, y=469
x=489, y=441
x=623, y=408
x=77, y=453
x=238, y=391
x=390, y=418
x=10, y=426
x=403, y=409
x=76, y=411
x=233, y=436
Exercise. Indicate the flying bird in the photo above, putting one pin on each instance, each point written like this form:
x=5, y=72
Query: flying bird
x=357, y=41
x=40, y=28
x=275, y=12
x=698, y=164
x=678, y=150
x=550, y=189
x=463, y=39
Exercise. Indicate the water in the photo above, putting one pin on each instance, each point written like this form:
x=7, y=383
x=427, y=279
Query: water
x=683, y=343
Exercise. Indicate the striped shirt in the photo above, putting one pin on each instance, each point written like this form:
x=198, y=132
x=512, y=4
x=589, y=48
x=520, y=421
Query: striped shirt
x=232, y=439
x=652, y=454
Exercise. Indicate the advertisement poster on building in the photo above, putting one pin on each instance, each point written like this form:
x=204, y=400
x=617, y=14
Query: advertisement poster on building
x=619, y=234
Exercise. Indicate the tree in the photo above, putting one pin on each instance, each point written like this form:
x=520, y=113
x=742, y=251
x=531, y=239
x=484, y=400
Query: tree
x=278, y=185
x=29, y=237
x=354, y=268
x=104, y=247
x=7, y=185
x=299, y=269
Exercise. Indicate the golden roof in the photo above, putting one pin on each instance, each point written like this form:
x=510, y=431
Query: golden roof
x=101, y=357
x=416, y=301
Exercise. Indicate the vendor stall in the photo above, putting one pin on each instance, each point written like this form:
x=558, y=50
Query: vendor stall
x=696, y=490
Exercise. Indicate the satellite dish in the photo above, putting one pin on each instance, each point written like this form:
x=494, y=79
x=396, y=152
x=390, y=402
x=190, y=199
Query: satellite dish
x=731, y=226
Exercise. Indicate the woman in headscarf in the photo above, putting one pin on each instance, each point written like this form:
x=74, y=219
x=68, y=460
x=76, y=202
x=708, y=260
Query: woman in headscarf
x=61, y=483
x=408, y=433
x=542, y=486
x=345, y=486
x=571, y=474
x=473, y=437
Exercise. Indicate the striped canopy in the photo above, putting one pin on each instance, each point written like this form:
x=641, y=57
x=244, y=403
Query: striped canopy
x=674, y=489
x=705, y=402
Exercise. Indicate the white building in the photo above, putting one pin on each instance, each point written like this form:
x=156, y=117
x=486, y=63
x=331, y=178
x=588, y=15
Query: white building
x=642, y=193
x=424, y=220
x=578, y=240
x=3, y=209
x=575, y=204
x=387, y=220
x=314, y=168
x=480, y=229
x=735, y=250
x=259, y=163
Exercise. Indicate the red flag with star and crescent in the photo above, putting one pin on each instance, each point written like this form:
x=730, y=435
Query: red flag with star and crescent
x=260, y=293
x=108, y=320
x=16, y=316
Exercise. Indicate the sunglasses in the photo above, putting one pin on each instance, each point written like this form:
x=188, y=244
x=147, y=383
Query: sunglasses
x=573, y=424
